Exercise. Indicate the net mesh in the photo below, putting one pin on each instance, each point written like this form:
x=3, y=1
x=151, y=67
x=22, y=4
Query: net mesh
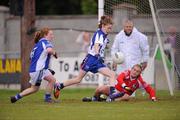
x=168, y=16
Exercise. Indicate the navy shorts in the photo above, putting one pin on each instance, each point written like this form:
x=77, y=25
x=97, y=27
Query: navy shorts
x=92, y=64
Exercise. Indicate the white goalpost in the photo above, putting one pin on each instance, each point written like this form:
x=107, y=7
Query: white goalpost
x=161, y=47
x=100, y=9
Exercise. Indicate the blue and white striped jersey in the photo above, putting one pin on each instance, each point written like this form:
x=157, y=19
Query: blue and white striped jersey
x=101, y=38
x=39, y=56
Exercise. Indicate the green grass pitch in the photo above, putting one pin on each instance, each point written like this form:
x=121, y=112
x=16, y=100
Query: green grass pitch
x=71, y=107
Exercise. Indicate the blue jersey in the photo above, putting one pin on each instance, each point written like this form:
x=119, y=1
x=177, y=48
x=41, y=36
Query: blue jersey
x=91, y=62
x=101, y=38
x=39, y=55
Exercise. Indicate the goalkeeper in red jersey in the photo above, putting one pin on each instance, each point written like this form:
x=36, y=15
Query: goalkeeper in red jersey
x=127, y=82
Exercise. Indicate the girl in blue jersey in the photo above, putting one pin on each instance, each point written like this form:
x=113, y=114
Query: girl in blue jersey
x=40, y=56
x=93, y=61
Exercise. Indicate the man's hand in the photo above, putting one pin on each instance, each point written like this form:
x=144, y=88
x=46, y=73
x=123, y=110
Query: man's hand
x=114, y=66
x=143, y=65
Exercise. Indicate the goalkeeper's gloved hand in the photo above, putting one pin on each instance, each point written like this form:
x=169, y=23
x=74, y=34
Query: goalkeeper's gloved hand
x=154, y=99
x=127, y=89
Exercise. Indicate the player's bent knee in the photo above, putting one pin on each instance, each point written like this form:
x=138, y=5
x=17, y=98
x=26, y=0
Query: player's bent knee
x=99, y=89
x=103, y=89
x=35, y=88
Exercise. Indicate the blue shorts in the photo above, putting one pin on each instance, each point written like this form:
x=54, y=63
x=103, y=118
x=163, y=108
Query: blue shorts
x=92, y=64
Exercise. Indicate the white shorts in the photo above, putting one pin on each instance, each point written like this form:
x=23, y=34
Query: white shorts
x=36, y=77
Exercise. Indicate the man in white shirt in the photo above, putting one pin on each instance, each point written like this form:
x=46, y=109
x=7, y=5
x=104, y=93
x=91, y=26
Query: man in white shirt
x=133, y=44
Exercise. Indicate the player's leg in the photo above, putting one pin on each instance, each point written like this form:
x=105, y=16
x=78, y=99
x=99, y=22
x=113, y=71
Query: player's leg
x=35, y=81
x=112, y=77
x=29, y=91
x=125, y=97
x=72, y=81
x=86, y=65
x=75, y=80
x=109, y=73
x=58, y=86
x=51, y=80
x=101, y=90
x=104, y=89
x=26, y=92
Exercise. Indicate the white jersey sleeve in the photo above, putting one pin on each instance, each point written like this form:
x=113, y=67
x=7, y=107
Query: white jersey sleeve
x=144, y=47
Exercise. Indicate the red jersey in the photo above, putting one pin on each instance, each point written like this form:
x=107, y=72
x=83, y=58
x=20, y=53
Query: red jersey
x=125, y=79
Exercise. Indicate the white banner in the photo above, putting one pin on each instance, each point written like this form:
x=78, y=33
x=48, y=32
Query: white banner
x=68, y=67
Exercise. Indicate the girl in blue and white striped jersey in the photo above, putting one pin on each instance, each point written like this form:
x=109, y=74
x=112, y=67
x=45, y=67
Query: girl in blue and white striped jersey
x=93, y=61
x=40, y=57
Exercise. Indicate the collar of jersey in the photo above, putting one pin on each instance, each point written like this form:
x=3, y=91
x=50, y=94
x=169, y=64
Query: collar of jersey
x=42, y=39
x=102, y=32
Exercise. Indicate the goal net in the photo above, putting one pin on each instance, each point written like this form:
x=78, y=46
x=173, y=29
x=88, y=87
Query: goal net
x=166, y=20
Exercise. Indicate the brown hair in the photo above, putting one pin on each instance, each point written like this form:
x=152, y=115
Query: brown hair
x=40, y=34
x=138, y=65
x=105, y=20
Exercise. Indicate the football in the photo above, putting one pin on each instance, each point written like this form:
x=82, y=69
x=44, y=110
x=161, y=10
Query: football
x=118, y=57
